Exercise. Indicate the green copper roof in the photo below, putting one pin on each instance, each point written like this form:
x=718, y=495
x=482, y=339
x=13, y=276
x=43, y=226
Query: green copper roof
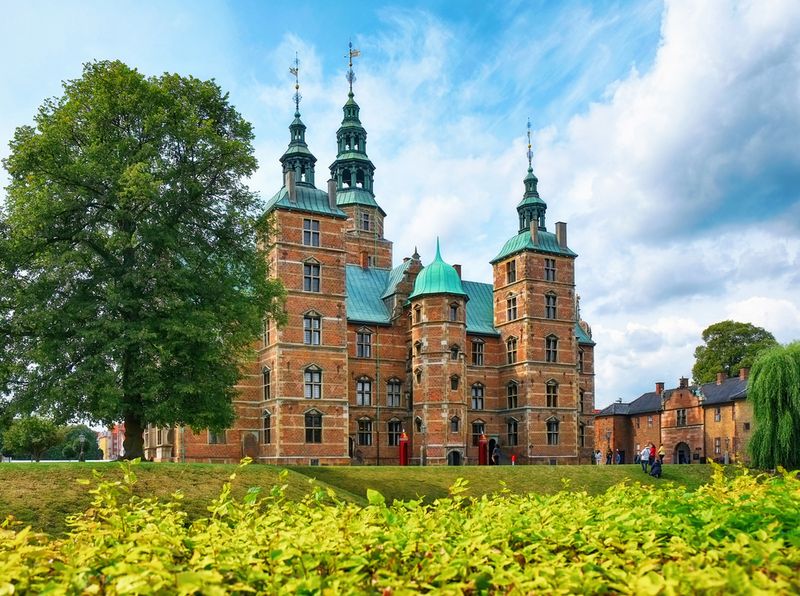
x=546, y=242
x=364, y=289
x=395, y=277
x=309, y=199
x=583, y=337
x=437, y=278
x=480, y=308
x=357, y=196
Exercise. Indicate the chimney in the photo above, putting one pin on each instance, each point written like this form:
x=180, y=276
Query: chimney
x=332, y=193
x=458, y=270
x=721, y=376
x=744, y=372
x=683, y=383
x=364, y=260
x=659, y=387
x=534, y=231
x=290, y=185
x=561, y=234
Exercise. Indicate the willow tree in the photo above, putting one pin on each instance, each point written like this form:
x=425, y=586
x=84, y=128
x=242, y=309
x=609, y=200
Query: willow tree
x=774, y=391
x=133, y=279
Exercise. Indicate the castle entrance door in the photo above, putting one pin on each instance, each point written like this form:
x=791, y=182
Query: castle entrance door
x=454, y=458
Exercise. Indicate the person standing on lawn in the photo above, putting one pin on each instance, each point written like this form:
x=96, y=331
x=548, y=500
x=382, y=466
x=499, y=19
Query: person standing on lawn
x=652, y=454
x=661, y=453
x=644, y=457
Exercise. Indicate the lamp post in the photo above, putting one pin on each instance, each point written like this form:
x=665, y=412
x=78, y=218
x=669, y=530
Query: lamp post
x=82, y=441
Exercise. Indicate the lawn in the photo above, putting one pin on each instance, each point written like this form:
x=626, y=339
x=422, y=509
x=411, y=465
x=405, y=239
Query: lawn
x=43, y=494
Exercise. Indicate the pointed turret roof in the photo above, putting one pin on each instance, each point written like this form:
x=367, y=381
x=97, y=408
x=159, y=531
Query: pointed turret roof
x=438, y=278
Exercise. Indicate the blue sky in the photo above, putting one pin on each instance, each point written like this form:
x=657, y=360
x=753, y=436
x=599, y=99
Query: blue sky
x=667, y=135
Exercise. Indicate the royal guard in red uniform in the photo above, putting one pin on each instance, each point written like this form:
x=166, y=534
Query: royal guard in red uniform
x=403, y=449
x=483, y=450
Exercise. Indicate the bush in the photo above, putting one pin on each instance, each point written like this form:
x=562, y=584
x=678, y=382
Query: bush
x=737, y=535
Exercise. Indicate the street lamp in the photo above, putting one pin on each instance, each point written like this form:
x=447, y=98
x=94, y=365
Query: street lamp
x=82, y=441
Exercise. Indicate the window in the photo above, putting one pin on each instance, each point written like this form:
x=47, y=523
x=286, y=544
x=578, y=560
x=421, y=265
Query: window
x=363, y=392
x=265, y=332
x=266, y=381
x=455, y=424
x=511, y=272
x=550, y=306
x=311, y=277
x=454, y=353
x=552, y=431
x=746, y=427
x=418, y=348
x=511, y=308
x=216, y=437
x=266, y=428
x=477, y=396
x=393, y=393
x=418, y=375
x=550, y=269
x=313, y=421
x=581, y=405
x=417, y=314
x=363, y=344
x=418, y=424
x=366, y=223
x=717, y=414
x=311, y=329
x=649, y=422
x=454, y=382
x=478, y=428
x=311, y=232
x=551, y=348
x=582, y=436
x=717, y=445
x=511, y=350
x=477, y=353
x=638, y=420
x=312, y=381
x=394, y=428
x=512, y=390
x=552, y=394
x=512, y=429
x=681, y=417
x=365, y=432
x=454, y=312
x=580, y=361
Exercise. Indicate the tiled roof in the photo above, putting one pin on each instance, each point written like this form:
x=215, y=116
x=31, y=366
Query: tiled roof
x=545, y=242
x=647, y=402
x=309, y=199
x=364, y=290
x=728, y=390
x=480, y=308
x=615, y=409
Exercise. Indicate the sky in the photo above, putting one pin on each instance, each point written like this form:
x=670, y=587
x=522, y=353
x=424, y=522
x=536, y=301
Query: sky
x=666, y=134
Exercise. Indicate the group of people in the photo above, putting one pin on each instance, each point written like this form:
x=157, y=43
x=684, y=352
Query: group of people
x=654, y=458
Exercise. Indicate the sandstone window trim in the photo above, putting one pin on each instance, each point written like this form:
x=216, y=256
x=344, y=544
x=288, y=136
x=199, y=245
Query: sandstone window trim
x=313, y=425
x=266, y=427
x=394, y=428
x=312, y=382
x=478, y=349
x=266, y=382
x=311, y=232
x=551, y=348
x=552, y=425
x=364, y=391
x=478, y=429
x=478, y=396
x=364, y=434
x=512, y=395
x=312, y=328
x=394, y=392
x=551, y=391
x=512, y=432
x=312, y=276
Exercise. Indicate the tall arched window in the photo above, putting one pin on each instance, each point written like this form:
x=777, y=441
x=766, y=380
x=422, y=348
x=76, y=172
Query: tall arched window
x=266, y=428
x=312, y=382
x=551, y=348
x=512, y=391
x=552, y=393
x=511, y=350
x=552, y=431
x=312, y=323
x=477, y=397
x=364, y=391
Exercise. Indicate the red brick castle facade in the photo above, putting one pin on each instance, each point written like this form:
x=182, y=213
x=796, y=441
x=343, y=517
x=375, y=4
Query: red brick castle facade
x=371, y=351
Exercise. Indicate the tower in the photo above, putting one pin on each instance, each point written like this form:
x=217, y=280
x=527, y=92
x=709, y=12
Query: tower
x=353, y=173
x=535, y=313
x=439, y=370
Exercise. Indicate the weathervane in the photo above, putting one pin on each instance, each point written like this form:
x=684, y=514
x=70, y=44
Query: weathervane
x=295, y=70
x=530, y=152
x=351, y=76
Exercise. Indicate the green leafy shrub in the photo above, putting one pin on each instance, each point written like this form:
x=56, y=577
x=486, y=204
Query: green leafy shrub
x=735, y=535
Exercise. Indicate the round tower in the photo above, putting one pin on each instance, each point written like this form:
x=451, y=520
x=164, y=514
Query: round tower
x=438, y=337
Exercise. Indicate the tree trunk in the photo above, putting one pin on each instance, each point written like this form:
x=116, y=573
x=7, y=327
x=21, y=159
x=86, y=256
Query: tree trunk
x=133, y=445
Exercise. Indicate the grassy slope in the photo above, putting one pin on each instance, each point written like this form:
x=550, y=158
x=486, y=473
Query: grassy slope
x=43, y=494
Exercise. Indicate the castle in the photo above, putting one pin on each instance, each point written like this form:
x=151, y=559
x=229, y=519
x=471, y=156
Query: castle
x=375, y=353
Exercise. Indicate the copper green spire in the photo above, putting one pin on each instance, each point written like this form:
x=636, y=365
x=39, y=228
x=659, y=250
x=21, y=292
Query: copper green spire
x=297, y=156
x=532, y=208
x=438, y=278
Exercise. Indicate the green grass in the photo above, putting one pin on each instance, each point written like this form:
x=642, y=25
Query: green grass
x=42, y=495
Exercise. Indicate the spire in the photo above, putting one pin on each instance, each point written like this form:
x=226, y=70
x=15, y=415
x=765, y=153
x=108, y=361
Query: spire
x=297, y=157
x=353, y=171
x=532, y=208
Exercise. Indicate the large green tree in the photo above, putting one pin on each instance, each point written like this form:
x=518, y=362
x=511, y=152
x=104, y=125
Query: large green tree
x=729, y=346
x=774, y=390
x=130, y=245
x=31, y=436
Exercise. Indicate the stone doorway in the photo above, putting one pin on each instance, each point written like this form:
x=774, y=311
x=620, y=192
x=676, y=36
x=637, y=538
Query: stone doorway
x=454, y=458
x=683, y=455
